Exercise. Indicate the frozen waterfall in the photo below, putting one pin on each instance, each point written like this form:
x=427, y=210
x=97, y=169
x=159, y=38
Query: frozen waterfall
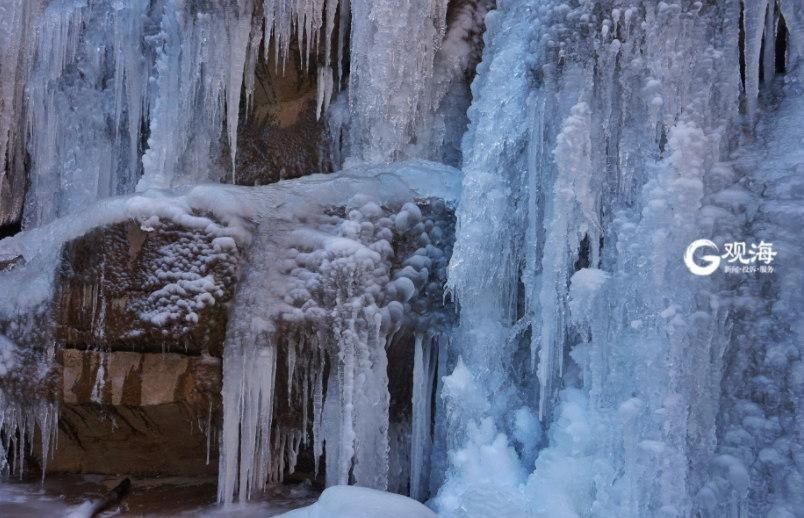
x=484, y=306
x=631, y=147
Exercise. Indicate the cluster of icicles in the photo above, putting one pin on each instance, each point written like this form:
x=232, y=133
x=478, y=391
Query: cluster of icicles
x=177, y=69
x=306, y=347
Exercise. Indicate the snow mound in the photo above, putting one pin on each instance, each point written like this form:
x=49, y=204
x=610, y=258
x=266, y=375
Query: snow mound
x=361, y=502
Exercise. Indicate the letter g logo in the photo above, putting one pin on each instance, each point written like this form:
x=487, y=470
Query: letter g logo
x=712, y=261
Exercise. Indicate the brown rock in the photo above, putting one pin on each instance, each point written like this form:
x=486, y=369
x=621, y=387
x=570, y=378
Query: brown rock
x=280, y=136
x=138, y=379
x=8, y=263
x=137, y=413
x=129, y=289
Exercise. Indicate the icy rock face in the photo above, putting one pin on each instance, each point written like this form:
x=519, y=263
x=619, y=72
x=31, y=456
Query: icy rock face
x=574, y=216
x=405, y=49
x=153, y=285
x=15, y=55
x=341, y=267
x=68, y=288
x=281, y=137
x=107, y=97
x=319, y=316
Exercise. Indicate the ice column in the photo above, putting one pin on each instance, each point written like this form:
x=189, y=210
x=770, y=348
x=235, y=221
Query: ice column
x=200, y=66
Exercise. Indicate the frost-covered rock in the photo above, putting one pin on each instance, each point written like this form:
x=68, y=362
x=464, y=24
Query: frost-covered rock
x=319, y=304
x=155, y=286
x=133, y=300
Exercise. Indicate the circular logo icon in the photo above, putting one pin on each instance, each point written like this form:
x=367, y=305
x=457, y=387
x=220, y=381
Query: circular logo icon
x=712, y=261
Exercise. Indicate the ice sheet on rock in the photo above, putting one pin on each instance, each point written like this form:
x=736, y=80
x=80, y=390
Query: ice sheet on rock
x=360, y=502
x=16, y=45
x=94, y=74
x=353, y=244
x=199, y=70
x=334, y=272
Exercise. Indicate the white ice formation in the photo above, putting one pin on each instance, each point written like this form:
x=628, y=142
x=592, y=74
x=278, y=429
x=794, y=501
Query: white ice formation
x=589, y=372
x=635, y=141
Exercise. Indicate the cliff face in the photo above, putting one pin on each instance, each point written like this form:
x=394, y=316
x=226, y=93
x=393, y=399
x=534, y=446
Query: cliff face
x=137, y=324
x=140, y=319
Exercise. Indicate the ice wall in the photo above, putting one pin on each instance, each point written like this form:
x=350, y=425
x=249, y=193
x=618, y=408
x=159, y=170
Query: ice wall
x=99, y=76
x=574, y=216
x=110, y=96
x=16, y=17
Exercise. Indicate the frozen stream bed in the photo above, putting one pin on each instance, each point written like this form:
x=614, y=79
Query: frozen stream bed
x=69, y=495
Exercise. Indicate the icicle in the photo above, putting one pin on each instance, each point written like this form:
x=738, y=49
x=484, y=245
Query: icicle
x=20, y=422
x=333, y=432
x=572, y=214
x=769, y=43
x=130, y=77
x=325, y=88
x=247, y=419
x=306, y=400
x=100, y=379
x=209, y=431
x=250, y=67
x=343, y=23
x=371, y=405
x=291, y=352
x=325, y=84
x=424, y=370
x=381, y=62
x=239, y=44
x=346, y=399
x=754, y=25
x=318, y=415
x=307, y=17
